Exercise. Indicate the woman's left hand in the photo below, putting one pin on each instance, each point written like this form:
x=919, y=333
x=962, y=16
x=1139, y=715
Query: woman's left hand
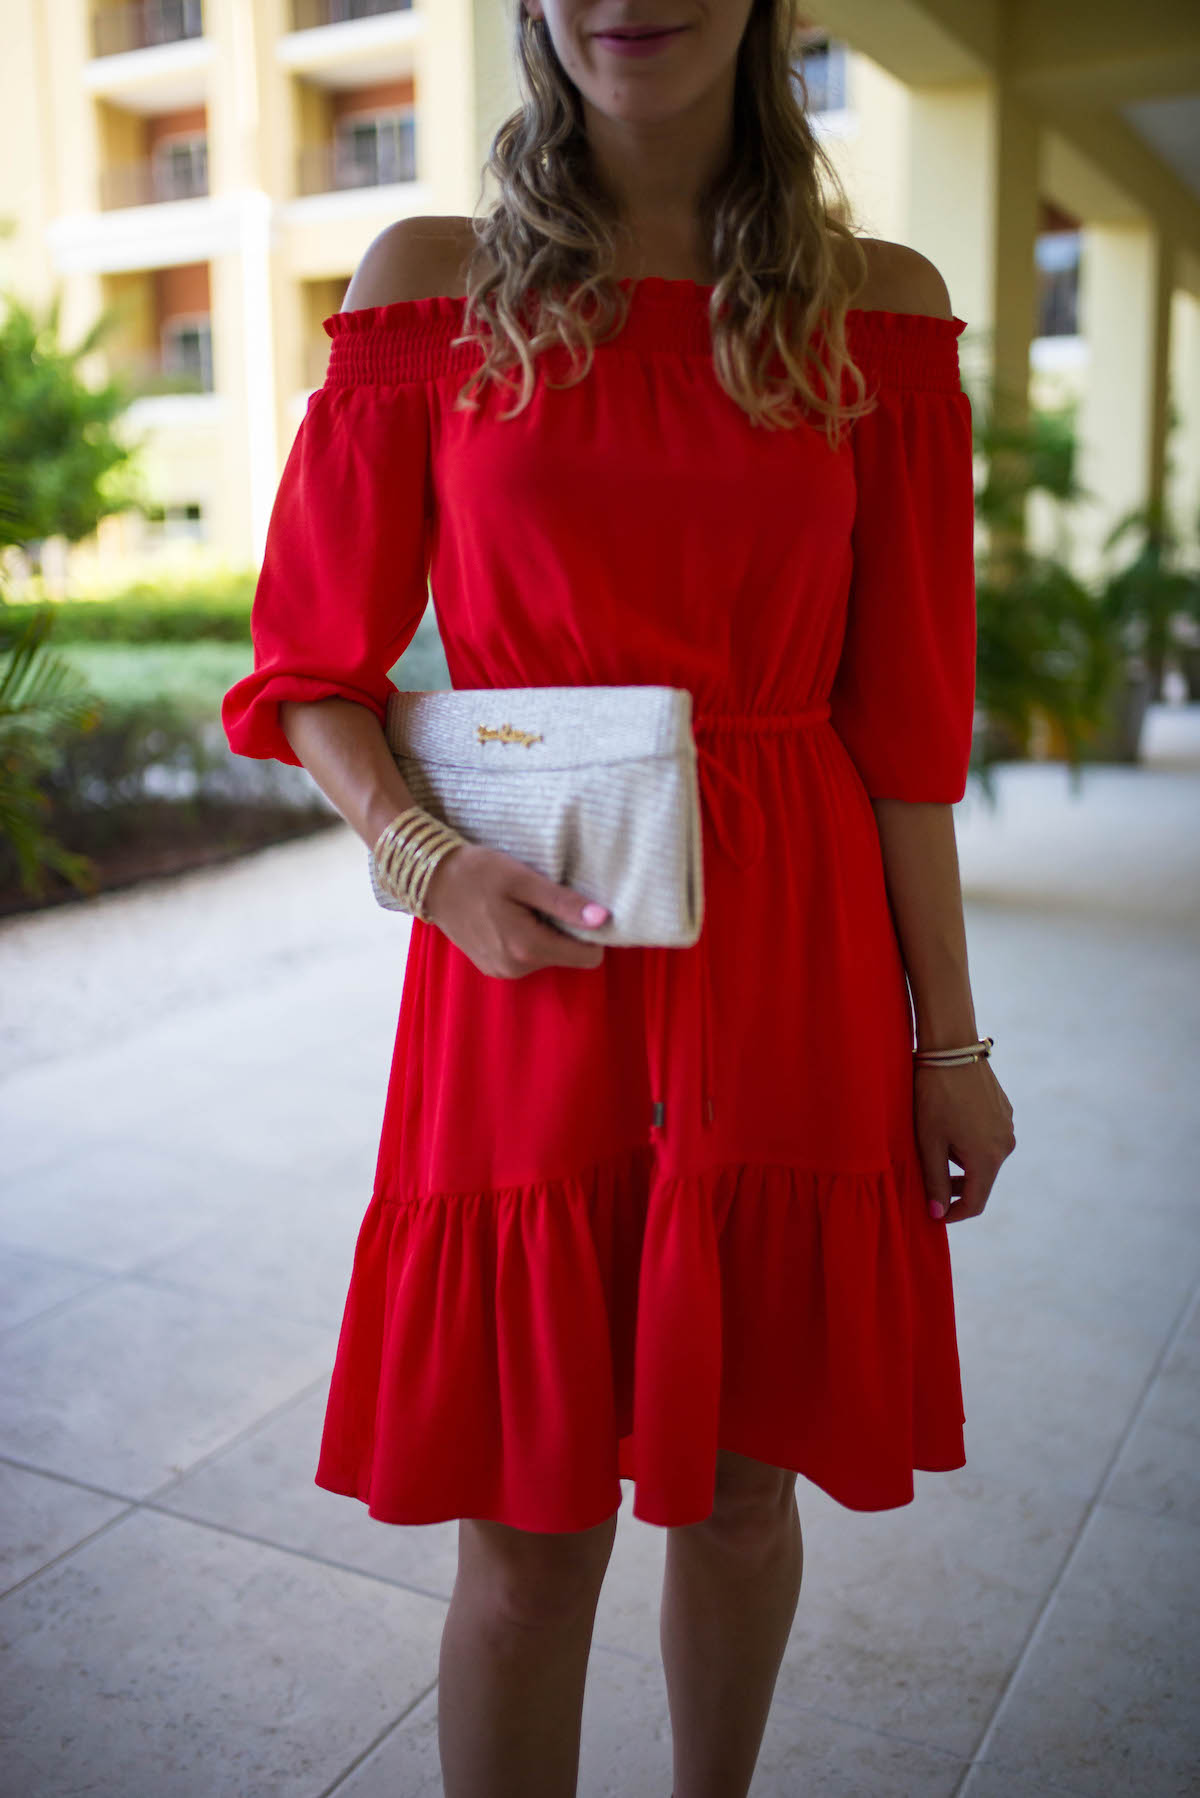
x=961, y=1114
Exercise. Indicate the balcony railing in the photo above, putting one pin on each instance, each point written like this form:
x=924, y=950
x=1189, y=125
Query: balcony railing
x=333, y=168
x=308, y=13
x=187, y=368
x=144, y=23
x=144, y=183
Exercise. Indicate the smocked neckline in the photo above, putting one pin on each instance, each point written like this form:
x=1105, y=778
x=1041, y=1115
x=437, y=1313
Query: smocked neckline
x=668, y=289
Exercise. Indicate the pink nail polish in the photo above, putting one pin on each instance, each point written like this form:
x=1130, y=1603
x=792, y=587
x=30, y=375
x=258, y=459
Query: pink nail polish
x=594, y=914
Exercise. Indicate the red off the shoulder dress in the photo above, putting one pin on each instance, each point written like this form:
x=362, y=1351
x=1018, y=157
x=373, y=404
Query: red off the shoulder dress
x=625, y=1216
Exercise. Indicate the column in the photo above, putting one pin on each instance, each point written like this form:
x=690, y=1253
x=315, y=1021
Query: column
x=445, y=102
x=952, y=196
x=1119, y=310
x=243, y=345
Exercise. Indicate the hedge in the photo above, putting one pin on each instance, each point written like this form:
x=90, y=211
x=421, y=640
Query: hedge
x=217, y=609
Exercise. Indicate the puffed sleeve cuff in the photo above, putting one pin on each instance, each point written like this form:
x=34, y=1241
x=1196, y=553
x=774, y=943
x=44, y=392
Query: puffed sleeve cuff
x=903, y=698
x=345, y=573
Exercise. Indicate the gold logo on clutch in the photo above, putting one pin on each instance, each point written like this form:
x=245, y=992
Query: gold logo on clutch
x=505, y=733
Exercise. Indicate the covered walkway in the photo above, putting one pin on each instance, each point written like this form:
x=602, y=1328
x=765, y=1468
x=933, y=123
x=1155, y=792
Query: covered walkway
x=191, y=1078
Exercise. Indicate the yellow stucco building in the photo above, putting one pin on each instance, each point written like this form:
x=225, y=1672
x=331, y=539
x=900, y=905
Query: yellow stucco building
x=215, y=168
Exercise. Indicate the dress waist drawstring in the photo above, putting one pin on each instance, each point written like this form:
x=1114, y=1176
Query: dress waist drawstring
x=738, y=826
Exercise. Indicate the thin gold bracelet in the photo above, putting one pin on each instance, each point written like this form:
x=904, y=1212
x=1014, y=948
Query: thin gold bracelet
x=407, y=851
x=953, y=1058
x=408, y=875
x=390, y=856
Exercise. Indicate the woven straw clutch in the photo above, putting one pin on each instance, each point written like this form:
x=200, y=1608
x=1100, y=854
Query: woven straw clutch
x=595, y=787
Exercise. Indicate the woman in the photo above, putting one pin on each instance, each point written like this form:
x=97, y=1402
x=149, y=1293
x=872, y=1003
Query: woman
x=673, y=1216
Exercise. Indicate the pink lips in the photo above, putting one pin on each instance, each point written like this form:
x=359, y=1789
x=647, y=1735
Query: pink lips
x=646, y=45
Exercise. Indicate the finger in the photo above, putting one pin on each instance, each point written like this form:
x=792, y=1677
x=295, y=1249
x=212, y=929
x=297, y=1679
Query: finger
x=549, y=898
x=936, y=1174
x=955, y=1210
x=975, y=1183
x=541, y=943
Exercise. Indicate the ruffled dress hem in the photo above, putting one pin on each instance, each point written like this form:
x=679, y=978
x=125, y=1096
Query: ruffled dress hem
x=515, y=1354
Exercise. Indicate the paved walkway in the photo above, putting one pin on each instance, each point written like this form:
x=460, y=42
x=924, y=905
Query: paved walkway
x=187, y=1616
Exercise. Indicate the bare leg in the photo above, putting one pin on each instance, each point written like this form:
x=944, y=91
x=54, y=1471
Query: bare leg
x=730, y=1592
x=514, y=1658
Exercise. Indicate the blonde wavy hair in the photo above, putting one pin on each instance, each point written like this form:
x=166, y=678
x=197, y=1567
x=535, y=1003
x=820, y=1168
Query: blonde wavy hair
x=772, y=233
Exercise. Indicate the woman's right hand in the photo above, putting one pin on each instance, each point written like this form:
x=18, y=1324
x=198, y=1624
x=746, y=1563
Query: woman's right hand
x=485, y=903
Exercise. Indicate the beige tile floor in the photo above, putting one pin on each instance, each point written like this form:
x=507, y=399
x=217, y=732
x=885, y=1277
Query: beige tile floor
x=185, y=1615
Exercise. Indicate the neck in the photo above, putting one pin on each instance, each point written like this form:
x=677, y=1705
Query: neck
x=657, y=172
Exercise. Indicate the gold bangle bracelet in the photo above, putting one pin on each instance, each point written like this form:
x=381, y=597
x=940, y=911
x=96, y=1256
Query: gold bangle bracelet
x=422, y=886
x=421, y=846
x=410, y=853
x=389, y=846
x=425, y=875
x=954, y=1058
x=401, y=829
x=395, y=841
x=398, y=875
x=407, y=852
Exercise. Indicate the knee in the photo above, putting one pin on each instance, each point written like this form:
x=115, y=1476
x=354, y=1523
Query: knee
x=530, y=1579
x=754, y=1504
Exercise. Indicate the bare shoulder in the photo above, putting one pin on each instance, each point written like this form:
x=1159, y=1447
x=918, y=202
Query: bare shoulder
x=900, y=279
x=413, y=259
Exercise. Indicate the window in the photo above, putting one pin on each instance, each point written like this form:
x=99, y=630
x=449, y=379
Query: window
x=823, y=66
x=166, y=21
x=1057, y=256
x=181, y=167
x=372, y=151
x=307, y=13
x=144, y=23
x=180, y=522
x=187, y=352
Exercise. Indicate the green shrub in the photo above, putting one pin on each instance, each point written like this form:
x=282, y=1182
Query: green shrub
x=110, y=767
x=44, y=705
x=159, y=729
x=133, y=677
x=208, y=612
x=154, y=774
x=194, y=677
x=216, y=609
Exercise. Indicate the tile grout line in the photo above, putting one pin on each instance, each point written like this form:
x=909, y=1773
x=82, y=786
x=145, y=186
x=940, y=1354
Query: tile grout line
x=285, y=1548
x=136, y=1274
x=867, y=1729
x=148, y=1500
x=73, y=1548
x=101, y=1277
x=246, y=1434
x=979, y=1752
x=372, y=1747
x=135, y=1505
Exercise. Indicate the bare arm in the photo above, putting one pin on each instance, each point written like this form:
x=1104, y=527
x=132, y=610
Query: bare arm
x=920, y=854
x=961, y=1114
x=344, y=749
x=920, y=859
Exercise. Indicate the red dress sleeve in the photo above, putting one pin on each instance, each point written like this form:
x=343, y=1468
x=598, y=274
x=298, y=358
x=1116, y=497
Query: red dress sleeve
x=345, y=573
x=903, y=698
